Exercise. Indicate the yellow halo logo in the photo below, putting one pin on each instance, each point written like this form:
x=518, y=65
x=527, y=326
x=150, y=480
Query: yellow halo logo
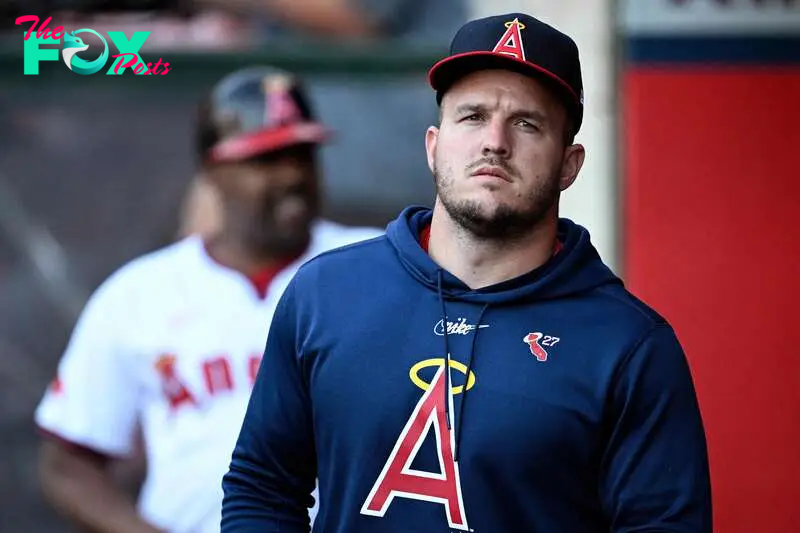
x=438, y=362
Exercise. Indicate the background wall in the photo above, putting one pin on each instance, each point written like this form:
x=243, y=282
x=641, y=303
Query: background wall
x=711, y=188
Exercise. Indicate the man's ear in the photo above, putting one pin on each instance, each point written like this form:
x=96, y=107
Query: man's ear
x=431, y=138
x=571, y=165
x=201, y=210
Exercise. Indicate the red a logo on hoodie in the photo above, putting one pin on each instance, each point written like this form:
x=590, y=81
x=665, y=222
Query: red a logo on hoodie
x=397, y=479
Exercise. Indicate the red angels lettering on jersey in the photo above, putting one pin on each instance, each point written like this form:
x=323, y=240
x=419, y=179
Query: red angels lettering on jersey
x=252, y=367
x=397, y=479
x=174, y=389
x=217, y=374
x=218, y=378
x=511, y=42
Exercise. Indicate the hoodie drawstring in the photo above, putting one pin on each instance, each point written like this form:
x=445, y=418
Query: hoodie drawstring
x=447, y=355
x=466, y=374
x=471, y=356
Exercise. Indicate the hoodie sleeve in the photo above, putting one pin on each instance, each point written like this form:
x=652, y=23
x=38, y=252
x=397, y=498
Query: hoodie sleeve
x=655, y=474
x=273, y=468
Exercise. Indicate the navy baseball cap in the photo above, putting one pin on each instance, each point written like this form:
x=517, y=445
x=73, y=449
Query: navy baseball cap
x=256, y=111
x=516, y=42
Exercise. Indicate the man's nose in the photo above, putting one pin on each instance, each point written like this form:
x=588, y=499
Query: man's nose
x=496, y=140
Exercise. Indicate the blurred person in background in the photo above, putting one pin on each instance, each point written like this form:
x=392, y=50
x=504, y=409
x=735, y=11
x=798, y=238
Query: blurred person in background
x=171, y=342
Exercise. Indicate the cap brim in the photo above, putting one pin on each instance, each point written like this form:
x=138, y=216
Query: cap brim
x=253, y=144
x=450, y=69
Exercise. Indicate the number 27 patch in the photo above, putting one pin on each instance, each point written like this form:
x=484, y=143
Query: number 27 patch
x=537, y=341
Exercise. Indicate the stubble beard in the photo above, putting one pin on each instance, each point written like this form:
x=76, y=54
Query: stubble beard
x=502, y=223
x=263, y=236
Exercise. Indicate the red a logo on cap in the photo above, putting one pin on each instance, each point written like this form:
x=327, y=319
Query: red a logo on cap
x=510, y=43
x=281, y=107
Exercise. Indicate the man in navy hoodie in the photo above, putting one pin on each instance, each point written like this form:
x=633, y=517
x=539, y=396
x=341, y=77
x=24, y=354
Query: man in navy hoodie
x=478, y=368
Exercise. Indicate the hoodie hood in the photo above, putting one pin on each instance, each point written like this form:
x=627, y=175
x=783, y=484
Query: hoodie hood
x=577, y=268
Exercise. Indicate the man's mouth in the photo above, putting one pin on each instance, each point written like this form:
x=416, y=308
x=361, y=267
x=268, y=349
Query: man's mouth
x=291, y=209
x=488, y=170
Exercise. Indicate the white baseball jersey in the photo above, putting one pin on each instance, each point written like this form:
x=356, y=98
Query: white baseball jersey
x=172, y=340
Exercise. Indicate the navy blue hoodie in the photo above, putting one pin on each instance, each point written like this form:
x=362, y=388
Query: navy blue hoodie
x=571, y=405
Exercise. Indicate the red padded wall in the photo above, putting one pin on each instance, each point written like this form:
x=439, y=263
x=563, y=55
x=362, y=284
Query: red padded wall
x=712, y=193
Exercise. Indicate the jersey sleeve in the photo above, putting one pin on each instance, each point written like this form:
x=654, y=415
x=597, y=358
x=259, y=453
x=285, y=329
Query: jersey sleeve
x=273, y=468
x=655, y=471
x=92, y=402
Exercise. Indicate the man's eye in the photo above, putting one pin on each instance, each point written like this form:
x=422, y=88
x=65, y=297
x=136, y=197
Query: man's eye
x=473, y=117
x=528, y=125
